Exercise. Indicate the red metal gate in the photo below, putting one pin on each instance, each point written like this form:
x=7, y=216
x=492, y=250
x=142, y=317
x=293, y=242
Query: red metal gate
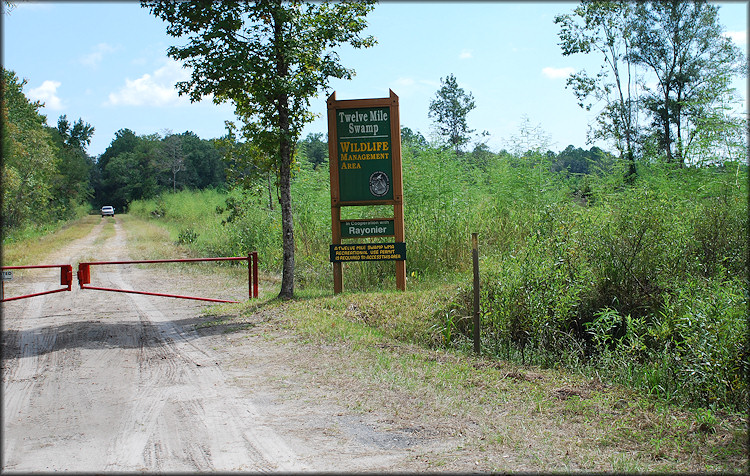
x=66, y=279
x=84, y=275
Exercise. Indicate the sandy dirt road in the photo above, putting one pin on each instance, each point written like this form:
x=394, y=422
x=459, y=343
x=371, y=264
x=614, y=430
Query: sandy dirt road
x=97, y=381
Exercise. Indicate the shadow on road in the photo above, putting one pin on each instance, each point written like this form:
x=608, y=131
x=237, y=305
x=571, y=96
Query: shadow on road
x=102, y=334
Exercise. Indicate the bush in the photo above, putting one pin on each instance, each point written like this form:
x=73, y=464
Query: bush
x=631, y=286
x=642, y=283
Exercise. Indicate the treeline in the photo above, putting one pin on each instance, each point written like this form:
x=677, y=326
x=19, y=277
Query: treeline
x=640, y=281
x=137, y=167
x=48, y=175
x=46, y=171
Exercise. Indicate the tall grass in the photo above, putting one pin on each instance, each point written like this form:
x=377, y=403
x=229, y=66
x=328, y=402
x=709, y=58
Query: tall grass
x=648, y=287
x=640, y=283
x=30, y=246
x=32, y=231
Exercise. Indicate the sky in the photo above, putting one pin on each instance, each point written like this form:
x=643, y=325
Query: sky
x=106, y=63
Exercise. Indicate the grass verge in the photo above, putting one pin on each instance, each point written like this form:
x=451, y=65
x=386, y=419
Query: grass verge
x=31, y=250
x=378, y=355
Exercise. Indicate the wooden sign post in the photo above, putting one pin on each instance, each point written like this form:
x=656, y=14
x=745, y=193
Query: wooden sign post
x=364, y=149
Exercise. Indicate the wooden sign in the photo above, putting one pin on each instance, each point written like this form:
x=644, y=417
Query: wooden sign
x=368, y=252
x=364, y=149
x=365, y=154
x=367, y=228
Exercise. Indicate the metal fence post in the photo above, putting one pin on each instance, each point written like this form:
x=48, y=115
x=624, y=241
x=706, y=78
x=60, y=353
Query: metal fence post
x=475, y=258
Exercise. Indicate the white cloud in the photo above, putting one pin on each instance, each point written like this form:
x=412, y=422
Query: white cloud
x=557, y=73
x=157, y=89
x=465, y=54
x=409, y=87
x=738, y=37
x=404, y=82
x=429, y=83
x=47, y=93
x=95, y=57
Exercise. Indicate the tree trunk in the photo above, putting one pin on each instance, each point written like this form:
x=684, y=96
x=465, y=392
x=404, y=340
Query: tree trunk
x=270, y=195
x=287, y=222
x=630, y=175
x=626, y=118
x=678, y=121
x=667, y=138
x=285, y=156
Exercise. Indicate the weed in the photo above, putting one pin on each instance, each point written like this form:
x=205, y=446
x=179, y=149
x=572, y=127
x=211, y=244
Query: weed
x=187, y=236
x=642, y=284
x=29, y=248
x=705, y=420
x=624, y=463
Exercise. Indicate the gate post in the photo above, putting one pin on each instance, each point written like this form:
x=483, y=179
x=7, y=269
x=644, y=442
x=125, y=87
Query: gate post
x=252, y=274
x=66, y=275
x=84, y=274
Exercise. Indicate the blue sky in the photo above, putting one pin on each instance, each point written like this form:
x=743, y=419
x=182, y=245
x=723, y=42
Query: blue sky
x=106, y=63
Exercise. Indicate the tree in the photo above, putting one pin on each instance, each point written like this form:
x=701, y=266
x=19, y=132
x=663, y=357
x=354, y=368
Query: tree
x=172, y=155
x=247, y=165
x=412, y=139
x=449, y=110
x=717, y=135
x=269, y=59
x=682, y=45
x=576, y=161
x=29, y=160
x=602, y=27
x=481, y=156
x=133, y=174
x=78, y=136
x=72, y=184
x=315, y=149
x=125, y=141
x=203, y=163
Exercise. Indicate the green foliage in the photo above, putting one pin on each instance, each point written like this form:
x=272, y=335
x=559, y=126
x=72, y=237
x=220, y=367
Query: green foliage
x=71, y=185
x=449, y=110
x=203, y=165
x=141, y=167
x=78, y=136
x=411, y=140
x=45, y=173
x=680, y=48
x=602, y=28
x=274, y=58
x=632, y=286
x=187, y=236
x=576, y=161
x=682, y=45
x=314, y=149
x=642, y=284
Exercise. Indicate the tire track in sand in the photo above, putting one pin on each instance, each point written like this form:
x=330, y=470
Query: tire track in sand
x=24, y=373
x=111, y=382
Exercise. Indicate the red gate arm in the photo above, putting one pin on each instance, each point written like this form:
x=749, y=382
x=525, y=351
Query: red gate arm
x=84, y=275
x=147, y=293
x=66, y=279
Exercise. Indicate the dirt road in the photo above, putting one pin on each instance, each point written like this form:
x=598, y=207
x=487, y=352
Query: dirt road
x=97, y=381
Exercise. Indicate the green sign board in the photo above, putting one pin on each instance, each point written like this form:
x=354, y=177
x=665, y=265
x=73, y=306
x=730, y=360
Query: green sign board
x=364, y=154
x=367, y=228
x=369, y=252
